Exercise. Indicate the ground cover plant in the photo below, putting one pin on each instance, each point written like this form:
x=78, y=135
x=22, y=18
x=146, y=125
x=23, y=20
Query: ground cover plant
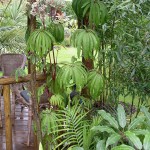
x=112, y=60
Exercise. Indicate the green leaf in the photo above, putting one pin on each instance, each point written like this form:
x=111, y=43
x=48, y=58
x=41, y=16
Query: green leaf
x=40, y=146
x=123, y=147
x=100, y=145
x=95, y=84
x=135, y=122
x=40, y=91
x=139, y=131
x=76, y=148
x=121, y=116
x=114, y=138
x=103, y=129
x=109, y=118
x=57, y=100
x=146, y=142
x=146, y=113
x=134, y=139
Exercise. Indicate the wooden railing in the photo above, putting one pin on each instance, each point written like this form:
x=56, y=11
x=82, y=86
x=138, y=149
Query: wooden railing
x=7, y=103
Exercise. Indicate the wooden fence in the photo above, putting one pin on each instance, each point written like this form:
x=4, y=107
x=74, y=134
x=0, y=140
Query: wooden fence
x=7, y=103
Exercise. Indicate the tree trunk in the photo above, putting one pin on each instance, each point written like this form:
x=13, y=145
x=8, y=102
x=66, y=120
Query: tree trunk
x=32, y=70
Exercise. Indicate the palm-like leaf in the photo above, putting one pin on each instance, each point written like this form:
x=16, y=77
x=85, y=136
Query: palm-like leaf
x=73, y=128
x=85, y=40
x=41, y=42
x=95, y=83
x=71, y=74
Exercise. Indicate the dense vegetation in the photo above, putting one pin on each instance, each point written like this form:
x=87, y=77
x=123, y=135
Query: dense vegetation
x=112, y=40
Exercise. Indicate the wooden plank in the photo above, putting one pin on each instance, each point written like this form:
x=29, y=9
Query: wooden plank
x=7, y=112
x=12, y=80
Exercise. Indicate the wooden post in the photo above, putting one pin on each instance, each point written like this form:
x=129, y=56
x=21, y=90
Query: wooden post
x=7, y=111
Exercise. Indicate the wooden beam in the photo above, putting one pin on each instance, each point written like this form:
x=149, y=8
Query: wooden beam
x=7, y=112
x=12, y=80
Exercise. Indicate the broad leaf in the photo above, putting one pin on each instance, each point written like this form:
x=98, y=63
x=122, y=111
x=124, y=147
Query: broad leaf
x=100, y=145
x=40, y=146
x=102, y=129
x=135, y=122
x=146, y=142
x=134, y=139
x=146, y=113
x=123, y=147
x=109, y=118
x=140, y=132
x=121, y=116
x=76, y=148
x=114, y=138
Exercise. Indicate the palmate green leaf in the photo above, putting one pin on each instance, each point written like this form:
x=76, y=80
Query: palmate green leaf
x=57, y=31
x=102, y=129
x=95, y=84
x=146, y=142
x=86, y=7
x=134, y=139
x=74, y=72
x=101, y=145
x=121, y=116
x=114, y=138
x=135, y=122
x=40, y=41
x=85, y=40
x=123, y=147
x=109, y=118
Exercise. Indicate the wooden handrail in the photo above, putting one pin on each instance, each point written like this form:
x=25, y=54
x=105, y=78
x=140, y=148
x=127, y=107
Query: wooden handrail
x=12, y=80
x=7, y=104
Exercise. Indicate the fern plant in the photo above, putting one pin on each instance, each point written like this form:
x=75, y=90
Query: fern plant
x=48, y=121
x=74, y=129
x=119, y=131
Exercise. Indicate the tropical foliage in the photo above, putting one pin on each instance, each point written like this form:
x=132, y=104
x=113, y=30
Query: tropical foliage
x=113, y=48
x=12, y=28
x=110, y=38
